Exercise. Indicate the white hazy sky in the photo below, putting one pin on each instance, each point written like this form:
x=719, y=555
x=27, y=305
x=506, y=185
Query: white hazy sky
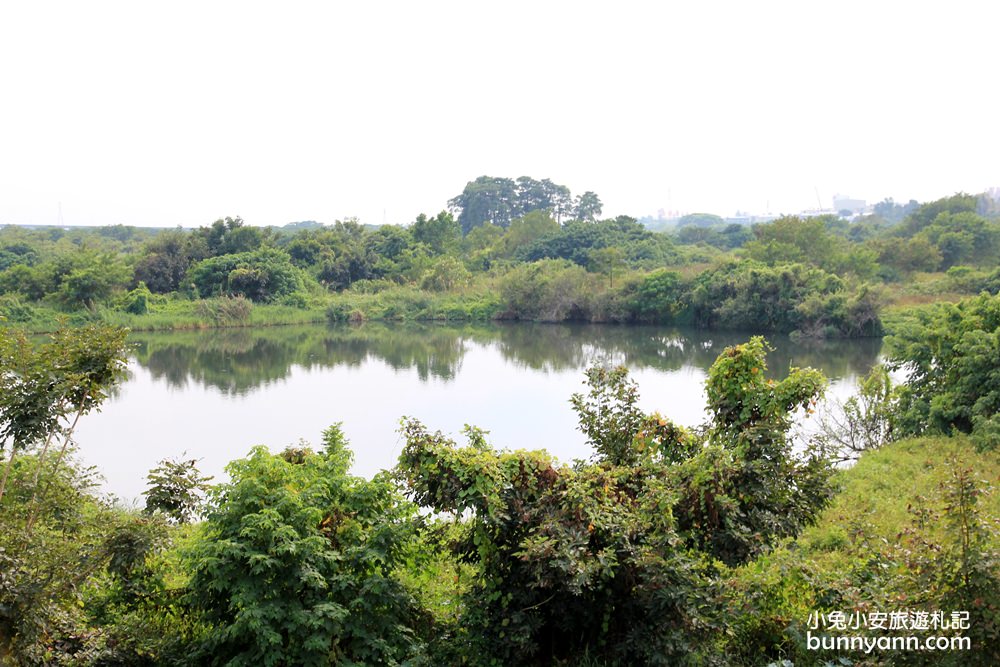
x=182, y=112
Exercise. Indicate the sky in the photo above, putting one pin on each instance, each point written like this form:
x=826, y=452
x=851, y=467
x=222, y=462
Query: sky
x=179, y=113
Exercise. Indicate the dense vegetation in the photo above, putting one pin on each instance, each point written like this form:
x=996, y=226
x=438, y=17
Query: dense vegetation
x=670, y=545
x=705, y=545
x=509, y=249
x=952, y=354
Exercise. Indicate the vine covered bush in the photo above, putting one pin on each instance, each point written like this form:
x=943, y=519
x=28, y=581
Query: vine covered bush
x=618, y=559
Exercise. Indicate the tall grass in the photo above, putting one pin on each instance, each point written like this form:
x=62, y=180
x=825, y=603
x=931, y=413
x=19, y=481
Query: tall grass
x=410, y=303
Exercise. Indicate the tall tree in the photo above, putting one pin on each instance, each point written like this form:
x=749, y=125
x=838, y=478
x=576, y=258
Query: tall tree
x=45, y=389
x=607, y=261
x=486, y=199
x=543, y=195
x=587, y=207
x=227, y=236
x=501, y=200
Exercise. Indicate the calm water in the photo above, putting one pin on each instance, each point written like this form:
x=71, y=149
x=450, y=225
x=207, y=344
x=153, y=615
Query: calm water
x=215, y=394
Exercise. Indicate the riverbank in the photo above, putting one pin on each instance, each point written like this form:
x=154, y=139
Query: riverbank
x=478, y=303
x=174, y=314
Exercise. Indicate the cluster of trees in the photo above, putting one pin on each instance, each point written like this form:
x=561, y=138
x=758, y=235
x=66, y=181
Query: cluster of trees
x=499, y=201
x=522, y=249
x=786, y=297
x=888, y=245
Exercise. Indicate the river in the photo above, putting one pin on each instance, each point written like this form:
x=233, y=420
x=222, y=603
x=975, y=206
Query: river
x=212, y=395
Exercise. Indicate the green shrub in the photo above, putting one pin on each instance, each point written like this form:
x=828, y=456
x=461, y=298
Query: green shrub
x=866, y=420
x=138, y=301
x=446, y=273
x=912, y=528
x=750, y=296
x=296, y=561
x=15, y=312
x=548, y=291
x=295, y=300
x=951, y=354
x=262, y=275
x=338, y=312
x=658, y=297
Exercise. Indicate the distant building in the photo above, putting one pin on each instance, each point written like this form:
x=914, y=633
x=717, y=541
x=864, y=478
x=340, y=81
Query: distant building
x=816, y=212
x=845, y=203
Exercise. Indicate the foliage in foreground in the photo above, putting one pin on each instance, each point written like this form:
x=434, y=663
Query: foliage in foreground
x=86, y=584
x=619, y=559
x=295, y=563
x=45, y=389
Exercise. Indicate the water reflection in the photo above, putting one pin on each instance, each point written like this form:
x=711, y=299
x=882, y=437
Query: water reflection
x=214, y=394
x=237, y=361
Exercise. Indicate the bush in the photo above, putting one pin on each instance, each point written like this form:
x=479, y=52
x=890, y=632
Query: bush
x=175, y=490
x=548, y=291
x=86, y=286
x=84, y=587
x=338, y=312
x=15, y=312
x=372, y=286
x=296, y=561
x=864, y=421
x=262, y=275
x=912, y=528
x=138, y=301
x=951, y=353
x=658, y=297
x=751, y=296
x=295, y=300
x=446, y=273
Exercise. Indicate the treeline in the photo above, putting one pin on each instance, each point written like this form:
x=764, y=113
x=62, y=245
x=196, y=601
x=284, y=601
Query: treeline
x=669, y=546
x=889, y=245
x=509, y=249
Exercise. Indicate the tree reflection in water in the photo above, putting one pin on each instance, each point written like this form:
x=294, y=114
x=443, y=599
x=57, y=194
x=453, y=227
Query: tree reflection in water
x=237, y=361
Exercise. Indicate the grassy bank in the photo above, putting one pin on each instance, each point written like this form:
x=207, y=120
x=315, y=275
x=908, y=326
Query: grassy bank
x=410, y=303
x=592, y=300
x=913, y=528
x=174, y=315
x=398, y=304
x=167, y=314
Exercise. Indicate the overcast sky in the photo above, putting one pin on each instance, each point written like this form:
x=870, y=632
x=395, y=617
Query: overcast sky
x=183, y=112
